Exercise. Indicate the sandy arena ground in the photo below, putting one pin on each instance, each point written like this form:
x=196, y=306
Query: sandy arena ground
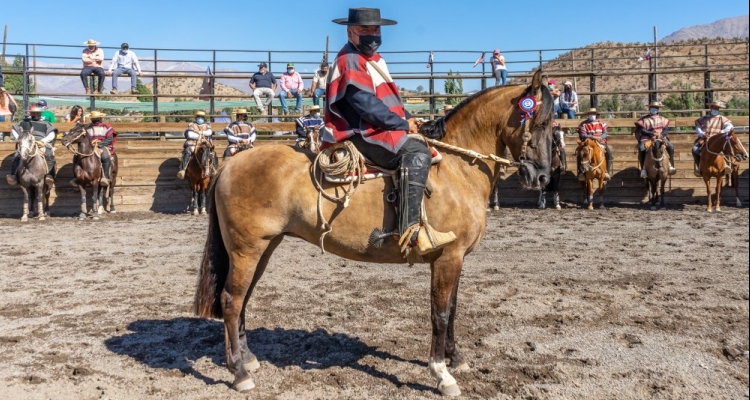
x=617, y=304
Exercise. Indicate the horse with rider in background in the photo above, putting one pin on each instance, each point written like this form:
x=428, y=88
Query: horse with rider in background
x=717, y=152
x=595, y=161
x=308, y=129
x=650, y=127
x=33, y=166
x=196, y=132
x=241, y=134
x=558, y=167
x=95, y=163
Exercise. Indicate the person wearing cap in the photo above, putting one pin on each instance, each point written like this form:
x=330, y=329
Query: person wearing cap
x=363, y=105
x=240, y=134
x=93, y=63
x=42, y=131
x=551, y=85
x=709, y=125
x=124, y=62
x=319, y=83
x=568, y=100
x=195, y=130
x=103, y=136
x=292, y=85
x=593, y=128
x=47, y=115
x=653, y=126
x=263, y=83
x=498, y=68
x=306, y=123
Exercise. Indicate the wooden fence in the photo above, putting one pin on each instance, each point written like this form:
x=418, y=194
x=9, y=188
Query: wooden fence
x=148, y=180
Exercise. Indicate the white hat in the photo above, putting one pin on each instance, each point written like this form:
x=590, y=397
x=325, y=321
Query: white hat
x=91, y=42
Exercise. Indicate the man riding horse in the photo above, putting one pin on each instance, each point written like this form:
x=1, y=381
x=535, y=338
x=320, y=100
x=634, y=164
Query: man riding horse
x=593, y=128
x=240, y=134
x=42, y=131
x=709, y=125
x=312, y=121
x=103, y=136
x=195, y=130
x=363, y=105
x=653, y=126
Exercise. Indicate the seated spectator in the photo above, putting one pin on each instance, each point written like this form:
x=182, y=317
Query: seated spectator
x=76, y=115
x=319, y=84
x=263, y=83
x=292, y=85
x=499, y=70
x=310, y=122
x=93, y=60
x=550, y=83
x=47, y=115
x=125, y=62
x=8, y=106
x=568, y=100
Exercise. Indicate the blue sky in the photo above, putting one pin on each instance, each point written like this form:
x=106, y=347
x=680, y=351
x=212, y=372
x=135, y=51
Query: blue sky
x=474, y=26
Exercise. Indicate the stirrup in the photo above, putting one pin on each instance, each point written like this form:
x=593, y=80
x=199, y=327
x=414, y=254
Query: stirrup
x=582, y=177
x=49, y=180
x=181, y=174
x=607, y=177
x=697, y=173
x=672, y=170
x=73, y=183
x=11, y=180
x=103, y=182
x=425, y=239
x=644, y=174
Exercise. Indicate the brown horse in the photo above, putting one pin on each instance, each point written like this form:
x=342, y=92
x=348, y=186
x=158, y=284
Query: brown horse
x=592, y=163
x=259, y=198
x=716, y=153
x=657, y=166
x=88, y=172
x=198, y=174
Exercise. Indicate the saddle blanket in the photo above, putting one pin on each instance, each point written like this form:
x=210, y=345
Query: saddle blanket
x=373, y=171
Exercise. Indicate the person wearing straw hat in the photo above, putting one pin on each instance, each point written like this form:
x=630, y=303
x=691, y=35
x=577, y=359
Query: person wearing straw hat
x=306, y=123
x=593, y=128
x=653, y=126
x=446, y=109
x=363, y=105
x=93, y=63
x=240, y=134
x=709, y=125
x=42, y=131
x=103, y=136
x=195, y=130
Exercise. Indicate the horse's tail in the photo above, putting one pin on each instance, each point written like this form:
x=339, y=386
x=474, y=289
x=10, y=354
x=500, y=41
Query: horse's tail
x=215, y=263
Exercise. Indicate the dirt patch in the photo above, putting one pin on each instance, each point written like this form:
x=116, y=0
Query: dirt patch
x=615, y=304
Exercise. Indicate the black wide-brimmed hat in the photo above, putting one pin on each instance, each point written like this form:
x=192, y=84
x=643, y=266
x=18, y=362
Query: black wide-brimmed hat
x=364, y=17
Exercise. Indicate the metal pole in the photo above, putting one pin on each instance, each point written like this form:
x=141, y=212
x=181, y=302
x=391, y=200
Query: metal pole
x=484, y=75
x=156, y=86
x=26, y=80
x=656, y=63
x=708, y=95
x=540, y=59
x=5, y=40
x=593, y=98
x=432, y=89
x=212, y=79
x=325, y=56
x=270, y=106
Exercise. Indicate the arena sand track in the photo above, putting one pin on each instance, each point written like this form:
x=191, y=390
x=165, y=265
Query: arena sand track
x=553, y=305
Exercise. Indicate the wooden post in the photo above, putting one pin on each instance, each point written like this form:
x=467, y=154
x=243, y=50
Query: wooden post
x=5, y=40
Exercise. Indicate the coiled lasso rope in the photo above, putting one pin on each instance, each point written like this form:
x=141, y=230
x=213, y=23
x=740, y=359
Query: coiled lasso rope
x=348, y=161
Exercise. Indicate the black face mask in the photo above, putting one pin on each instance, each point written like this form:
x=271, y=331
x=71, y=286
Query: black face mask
x=35, y=117
x=369, y=44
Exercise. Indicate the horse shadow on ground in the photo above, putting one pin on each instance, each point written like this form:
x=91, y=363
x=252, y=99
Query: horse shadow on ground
x=171, y=195
x=179, y=342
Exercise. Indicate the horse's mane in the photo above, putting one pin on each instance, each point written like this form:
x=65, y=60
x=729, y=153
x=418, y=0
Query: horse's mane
x=436, y=129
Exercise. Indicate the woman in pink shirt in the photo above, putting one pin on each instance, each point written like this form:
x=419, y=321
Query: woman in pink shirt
x=8, y=106
x=291, y=83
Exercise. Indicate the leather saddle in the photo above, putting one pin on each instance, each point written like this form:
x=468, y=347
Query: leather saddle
x=373, y=171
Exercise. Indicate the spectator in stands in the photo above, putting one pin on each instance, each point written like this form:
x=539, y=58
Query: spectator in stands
x=263, y=83
x=551, y=85
x=446, y=109
x=240, y=134
x=308, y=123
x=292, y=85
x=124, y=62
x=76, y=115
x=93, y=61
x=195, y=130
x=8, y=106
x=47, y=115
x=319, y=84
x=498, y=68
x=568, y=100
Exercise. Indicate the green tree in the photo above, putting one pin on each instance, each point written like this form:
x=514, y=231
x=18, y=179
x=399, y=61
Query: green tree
x=420, y=89
x=616, y=100
x=454, y=86
x=14, y=82
x=142, y=89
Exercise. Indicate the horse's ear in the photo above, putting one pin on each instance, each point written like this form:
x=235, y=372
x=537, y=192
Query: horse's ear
x=536, y=84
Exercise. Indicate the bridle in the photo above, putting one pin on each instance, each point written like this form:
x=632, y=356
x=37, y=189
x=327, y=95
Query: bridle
x=68, y=143
x=659, y=143
x=587, y=164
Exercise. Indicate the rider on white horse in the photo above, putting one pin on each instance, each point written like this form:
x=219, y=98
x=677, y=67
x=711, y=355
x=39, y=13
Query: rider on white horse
x=42, y=131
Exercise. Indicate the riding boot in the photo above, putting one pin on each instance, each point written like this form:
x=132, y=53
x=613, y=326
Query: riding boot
x=642, y=161
x=75, y=162
x=672, y=169
x=183, y=163
x=415, y=230
x=11, y=178
x=697, y=160
x=610, y=165
x=106, y=166
x=216, y=161
x=563, y=160
x=49, y=179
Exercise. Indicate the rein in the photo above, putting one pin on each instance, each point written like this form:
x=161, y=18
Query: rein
x=75, y=151
x=470, y=153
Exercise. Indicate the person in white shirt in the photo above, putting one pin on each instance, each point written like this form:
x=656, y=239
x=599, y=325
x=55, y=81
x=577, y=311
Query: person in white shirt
x=124, y=62
x=498, y=68
x=319, y=83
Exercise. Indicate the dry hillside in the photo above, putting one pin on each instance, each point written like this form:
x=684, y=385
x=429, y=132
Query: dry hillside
x=621, y=59
x=183, y=86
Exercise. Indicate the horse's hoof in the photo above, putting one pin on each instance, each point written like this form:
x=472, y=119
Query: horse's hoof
x=41, y=218
x=718, y=209
x=739, y=203
x=449, y=390
x=25, y=219
x=496, y=208
x=195, y=211
x=709, y=210
x=203, y=211
x=591, y=207
x=243, y=385
x=113, y=211
x=252, y=366
x=101, y=210
x=463, y=367
x=557, y=207
x=95, y=218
